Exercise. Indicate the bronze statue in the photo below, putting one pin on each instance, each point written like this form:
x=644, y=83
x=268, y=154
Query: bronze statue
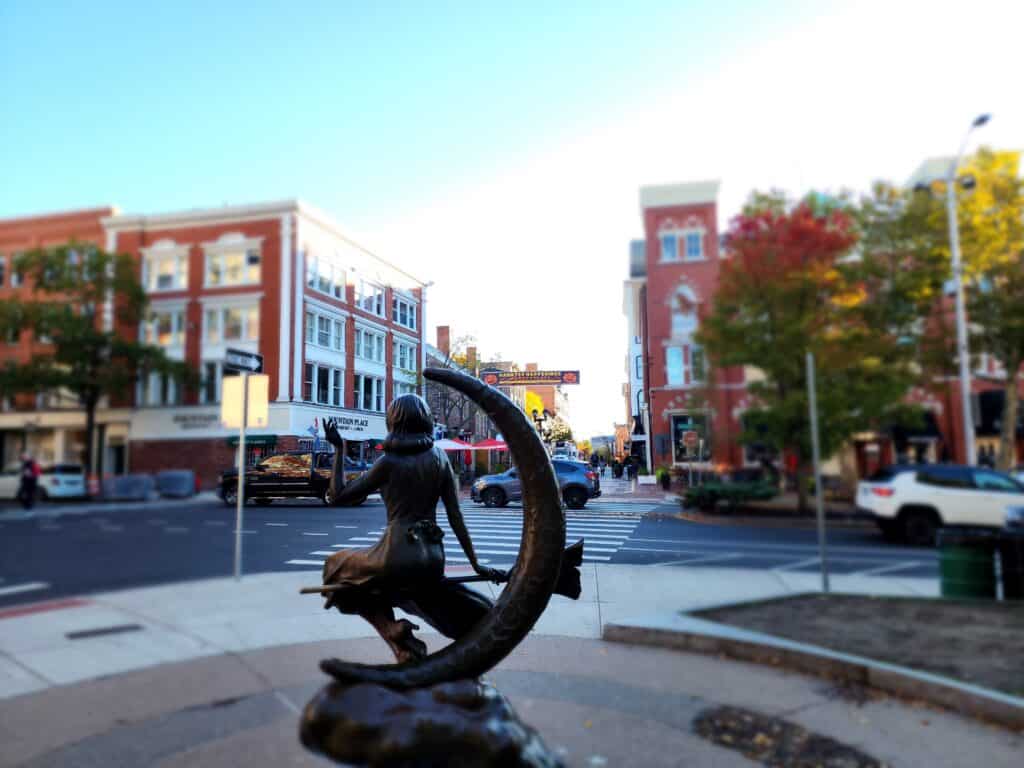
x=405, y=570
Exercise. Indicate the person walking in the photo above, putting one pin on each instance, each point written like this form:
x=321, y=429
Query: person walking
x=28, y=481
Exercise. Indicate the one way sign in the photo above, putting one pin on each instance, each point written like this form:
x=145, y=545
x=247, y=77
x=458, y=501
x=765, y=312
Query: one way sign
x=242, y=362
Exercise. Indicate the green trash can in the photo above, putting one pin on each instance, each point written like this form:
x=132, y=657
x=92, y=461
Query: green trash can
x=967, y=563
x=1011, y=557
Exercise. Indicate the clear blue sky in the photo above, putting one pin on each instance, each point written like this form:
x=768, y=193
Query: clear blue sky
x=495, y=149
x=348, y=105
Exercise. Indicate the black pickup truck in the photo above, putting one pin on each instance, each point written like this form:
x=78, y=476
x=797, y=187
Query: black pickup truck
x=291, y=475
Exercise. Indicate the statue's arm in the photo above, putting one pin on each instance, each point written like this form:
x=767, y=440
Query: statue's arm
x=450, y=498
x=367, y=483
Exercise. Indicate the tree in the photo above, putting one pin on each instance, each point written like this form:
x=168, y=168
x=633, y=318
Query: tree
x=991, y=218
x=559, y=430
x=451, y=408
x=585, y=448
x=788, y=287
x=83, y=309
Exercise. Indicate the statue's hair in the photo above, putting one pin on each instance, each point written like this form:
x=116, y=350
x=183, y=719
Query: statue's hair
x=410, y=415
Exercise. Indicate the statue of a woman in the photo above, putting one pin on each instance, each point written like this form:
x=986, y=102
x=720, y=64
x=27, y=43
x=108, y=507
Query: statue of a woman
x=405, y=569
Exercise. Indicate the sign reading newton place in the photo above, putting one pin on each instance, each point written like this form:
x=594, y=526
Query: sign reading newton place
x=514, y=378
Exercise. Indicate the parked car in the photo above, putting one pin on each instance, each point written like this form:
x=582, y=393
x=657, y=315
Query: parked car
x=58, y=481
x=578, y=482
x=290, y=475
x=911, y=502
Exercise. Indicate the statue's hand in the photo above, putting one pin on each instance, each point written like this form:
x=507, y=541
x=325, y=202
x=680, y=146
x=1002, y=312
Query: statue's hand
x=331, y=432
x=496, y=575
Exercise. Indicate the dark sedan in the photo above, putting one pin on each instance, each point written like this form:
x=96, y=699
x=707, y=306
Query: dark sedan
x=292, y=475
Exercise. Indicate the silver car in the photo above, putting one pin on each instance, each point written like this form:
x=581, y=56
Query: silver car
x=578, y=482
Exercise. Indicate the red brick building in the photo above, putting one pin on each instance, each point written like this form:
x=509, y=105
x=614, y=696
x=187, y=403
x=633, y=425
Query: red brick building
x=340, y=330
x=671, y=291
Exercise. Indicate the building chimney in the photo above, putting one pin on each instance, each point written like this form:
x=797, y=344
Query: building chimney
x=471, y=359
x=444, y=340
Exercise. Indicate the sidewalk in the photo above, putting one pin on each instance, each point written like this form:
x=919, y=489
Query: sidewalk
x=47, y=509
x=213, y=673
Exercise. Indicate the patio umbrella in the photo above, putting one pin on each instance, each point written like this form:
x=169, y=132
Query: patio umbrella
x=447, y=444
x=490, y=444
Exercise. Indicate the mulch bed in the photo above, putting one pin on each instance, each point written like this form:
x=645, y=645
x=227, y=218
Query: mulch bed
x=974, y=642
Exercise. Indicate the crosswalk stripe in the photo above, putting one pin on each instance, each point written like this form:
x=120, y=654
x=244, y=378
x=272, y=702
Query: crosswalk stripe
x=305, y=562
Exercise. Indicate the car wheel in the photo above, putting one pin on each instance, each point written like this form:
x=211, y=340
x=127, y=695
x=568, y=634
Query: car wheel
x=327, y=496
x=493, y=497
x=920, y=527
x=230, y=495
x=575, y=498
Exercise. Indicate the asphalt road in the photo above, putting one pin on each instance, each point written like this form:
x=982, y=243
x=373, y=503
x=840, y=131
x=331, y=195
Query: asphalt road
x=47, y=557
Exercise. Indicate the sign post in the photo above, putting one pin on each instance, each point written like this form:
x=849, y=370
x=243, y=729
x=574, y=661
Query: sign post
x=238, y=411
x=819, y=492
x=691, y=439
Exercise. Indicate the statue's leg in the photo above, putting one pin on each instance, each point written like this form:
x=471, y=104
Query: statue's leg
x=397, y=633
x=451, y=609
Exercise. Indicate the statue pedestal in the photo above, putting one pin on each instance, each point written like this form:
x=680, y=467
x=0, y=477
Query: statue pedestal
x=463, y=724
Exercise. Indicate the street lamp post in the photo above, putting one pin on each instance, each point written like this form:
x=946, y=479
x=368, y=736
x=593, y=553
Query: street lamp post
x=961, y=322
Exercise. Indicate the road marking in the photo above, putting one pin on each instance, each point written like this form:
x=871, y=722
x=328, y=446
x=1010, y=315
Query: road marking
x=307, y=533
x=796, y=565
x=886, y=569
x=596, y=557
x=175, y=529
x=17, y=589
x=277, y=525
x=739, y=544
x=346, y=526
x=214, y=522
x=305, y=562
x=707, y=559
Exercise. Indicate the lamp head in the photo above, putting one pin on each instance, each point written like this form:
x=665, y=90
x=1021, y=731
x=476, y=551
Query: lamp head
x=980, y=120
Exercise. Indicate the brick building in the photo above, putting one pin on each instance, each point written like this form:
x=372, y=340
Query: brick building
x=340, y=330
x=672, y=281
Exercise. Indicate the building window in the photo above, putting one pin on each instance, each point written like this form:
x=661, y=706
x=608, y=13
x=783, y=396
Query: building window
x=368, y=393
x=370, y=298
x=326, y=275
x=166, y=328
x=224, y=324
x=674, y=366
x=323, y=330
x=694, y=245
x=369, y=345
x=403, y=356
x=323, y=384
x=309, y=371
x=17, y=277
x=690, y=422
x=232, y=267
x=404, y=388
x=208, y=383
x=403, y=312
x=337, y=383
x=165, y=270
x=158, y=389
x=696, y=364
x=3, y=269
x=669, y=247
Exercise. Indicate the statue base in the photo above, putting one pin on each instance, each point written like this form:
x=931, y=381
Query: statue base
x=464, y=724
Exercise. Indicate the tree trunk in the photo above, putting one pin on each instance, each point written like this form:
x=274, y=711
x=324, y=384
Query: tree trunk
x=1007, y=458
x=802, y=473
x=90, y=430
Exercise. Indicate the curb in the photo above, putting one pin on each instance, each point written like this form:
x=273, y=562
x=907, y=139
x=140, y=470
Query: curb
x=772, y=521
x=685, y=633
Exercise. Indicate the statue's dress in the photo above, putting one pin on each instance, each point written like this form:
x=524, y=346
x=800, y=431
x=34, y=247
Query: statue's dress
x=406, y=567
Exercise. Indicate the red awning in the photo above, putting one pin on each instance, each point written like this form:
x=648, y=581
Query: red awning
x=450, y=444
x=490, y=444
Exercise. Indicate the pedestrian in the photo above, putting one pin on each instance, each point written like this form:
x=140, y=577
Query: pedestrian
x=28, y=481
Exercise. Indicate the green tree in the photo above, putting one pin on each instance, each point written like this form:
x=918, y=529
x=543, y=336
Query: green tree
x=559, y=430
x=83, y=308
x=792, y=284
x=991, y=217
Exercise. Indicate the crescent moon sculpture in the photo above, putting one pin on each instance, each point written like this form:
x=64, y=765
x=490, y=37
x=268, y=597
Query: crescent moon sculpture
x=531, y=580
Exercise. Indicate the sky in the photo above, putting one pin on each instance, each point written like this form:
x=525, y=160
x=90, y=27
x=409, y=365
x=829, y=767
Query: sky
x=494, y=149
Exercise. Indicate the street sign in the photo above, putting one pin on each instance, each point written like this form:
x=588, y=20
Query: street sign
x=240, y=361
x=497, y=378
x=231, y=401
x=691, y=438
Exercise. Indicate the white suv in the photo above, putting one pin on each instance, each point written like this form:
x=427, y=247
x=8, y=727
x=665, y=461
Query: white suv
x=911, y=502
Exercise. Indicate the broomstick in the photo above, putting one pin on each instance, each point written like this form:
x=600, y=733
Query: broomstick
x=568, y=583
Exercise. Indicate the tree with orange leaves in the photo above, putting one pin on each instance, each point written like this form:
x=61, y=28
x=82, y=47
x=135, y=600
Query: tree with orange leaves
x=792, y=284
